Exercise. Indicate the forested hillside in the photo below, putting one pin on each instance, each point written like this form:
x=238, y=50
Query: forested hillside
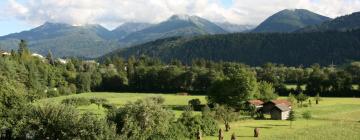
x=294, y=49
x=64, y=40
x=343, y=23
x=290, y=20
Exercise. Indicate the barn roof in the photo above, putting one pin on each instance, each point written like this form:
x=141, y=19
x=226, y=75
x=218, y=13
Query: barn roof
x=281, y=102
x=282, y=107
x=256, y=102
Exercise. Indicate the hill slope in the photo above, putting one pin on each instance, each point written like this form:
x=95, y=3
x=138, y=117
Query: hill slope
x=64, y=40
x=177, y=25
x=290, y=20
x=256, y=49
x=343, y=23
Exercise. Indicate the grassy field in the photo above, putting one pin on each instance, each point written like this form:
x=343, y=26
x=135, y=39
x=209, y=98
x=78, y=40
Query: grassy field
x=333, y=118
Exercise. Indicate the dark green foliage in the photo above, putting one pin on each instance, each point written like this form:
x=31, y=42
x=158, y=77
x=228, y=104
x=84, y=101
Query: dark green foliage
x=266, y=92
x=143, y=119
x=301, y=98
x=292, y=49
x=193, y=123
x=343, y=23
x=239, y=87
x=63, y=122
x=158, y=99
x=306, y=115
x=91, y=127
x=76, y=101
x=83, y=82
x=195, y=104
x=52, y=92
x=12, y=106
x=98, y=101
x=109, y=106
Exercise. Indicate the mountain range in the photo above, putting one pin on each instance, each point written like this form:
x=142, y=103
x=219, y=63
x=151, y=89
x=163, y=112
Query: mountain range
x=93, y=40
x=332, y=42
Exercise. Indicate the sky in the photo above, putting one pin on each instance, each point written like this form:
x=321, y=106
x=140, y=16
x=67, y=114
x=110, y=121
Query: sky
x=19, y=15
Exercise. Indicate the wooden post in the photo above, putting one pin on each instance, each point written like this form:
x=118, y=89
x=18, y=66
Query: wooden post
x=198, y=135
x=256, y=132
x=233, y=137
x=221, y=134
x=227, y=126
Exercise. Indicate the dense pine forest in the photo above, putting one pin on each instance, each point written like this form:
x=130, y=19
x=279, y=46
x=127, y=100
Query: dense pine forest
x=291, y=49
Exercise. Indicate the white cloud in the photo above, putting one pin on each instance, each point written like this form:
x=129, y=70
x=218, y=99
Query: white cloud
x=114, y=12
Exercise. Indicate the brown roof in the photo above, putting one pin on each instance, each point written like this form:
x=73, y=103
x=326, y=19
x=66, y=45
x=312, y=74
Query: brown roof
x=282, y=107
x=281, y=102
x=256, y=102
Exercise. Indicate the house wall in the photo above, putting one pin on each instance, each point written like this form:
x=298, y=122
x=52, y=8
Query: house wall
x=267, y=108
x=276, y=114
x=285, y=115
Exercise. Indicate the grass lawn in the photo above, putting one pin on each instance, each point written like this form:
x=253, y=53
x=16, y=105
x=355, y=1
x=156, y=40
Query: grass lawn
x=333, y=118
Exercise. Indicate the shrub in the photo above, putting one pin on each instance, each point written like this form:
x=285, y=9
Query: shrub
x=109, y=106
x=65, y=90
x=76, y=101
x=158, y=99
x=143, y=119
x=64, y=122
x=209, y=125
x=206, y=123
x=98, y=101
x=53, y=92
x=195, y=104
x=307, y=115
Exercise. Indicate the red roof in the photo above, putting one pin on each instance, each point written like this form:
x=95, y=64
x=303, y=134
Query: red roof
x=281, y=101
x=256, y=102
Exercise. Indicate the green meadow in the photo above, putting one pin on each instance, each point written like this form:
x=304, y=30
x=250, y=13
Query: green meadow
x=333, y=118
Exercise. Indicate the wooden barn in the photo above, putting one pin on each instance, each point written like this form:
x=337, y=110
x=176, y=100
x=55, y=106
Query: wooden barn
x=280, y=112
x=278, y=109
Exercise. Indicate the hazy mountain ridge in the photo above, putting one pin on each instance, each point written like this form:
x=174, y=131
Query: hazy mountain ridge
x=94, y=40
x=177, y=25
x=235, y=28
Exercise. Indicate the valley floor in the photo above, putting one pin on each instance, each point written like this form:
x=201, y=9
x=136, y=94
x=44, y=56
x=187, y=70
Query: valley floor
x=333, y=118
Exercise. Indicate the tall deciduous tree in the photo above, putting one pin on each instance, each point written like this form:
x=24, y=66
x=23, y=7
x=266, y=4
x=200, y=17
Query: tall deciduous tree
x=267, y=91
x=239, y=87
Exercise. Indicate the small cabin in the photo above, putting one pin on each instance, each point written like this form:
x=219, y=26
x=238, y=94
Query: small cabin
x=278, y=109
x=280, y=112
x=269, y=106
